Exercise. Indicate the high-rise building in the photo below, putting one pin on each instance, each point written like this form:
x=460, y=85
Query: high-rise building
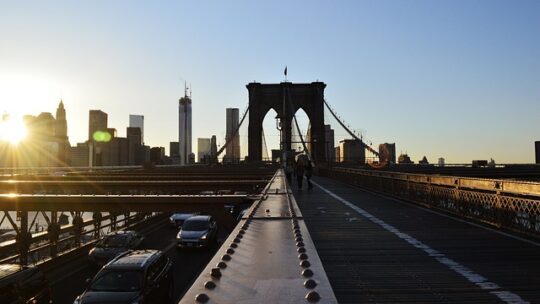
x=137, y=121
x=97, y=122
x=157, y=155
x=537, y=151
x=232, y=153
x=329, y=136
x=203, y=149
x=184, y=134
x=352, y=151
x=60, y=132
x=174, y=149
x=61, y=122
x=387, y=152
x=133, y=135
x=213, y=149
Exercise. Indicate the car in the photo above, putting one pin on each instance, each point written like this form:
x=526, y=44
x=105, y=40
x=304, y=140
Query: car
x=113, y=244
x=140, y=276
x=23, y=284
x=177, y=219
x=197, y=231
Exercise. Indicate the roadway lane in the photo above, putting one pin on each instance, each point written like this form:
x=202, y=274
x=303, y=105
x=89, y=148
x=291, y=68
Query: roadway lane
x=187, y=265
x=377, y=249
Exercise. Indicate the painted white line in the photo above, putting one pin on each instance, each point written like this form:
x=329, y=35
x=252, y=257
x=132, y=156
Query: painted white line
x=171, y=246
x=470, y=275
x=515, y=237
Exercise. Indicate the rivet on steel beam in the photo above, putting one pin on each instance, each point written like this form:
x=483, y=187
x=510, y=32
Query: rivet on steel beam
x=221, y=265
x=241, y=232
x=299, y=244
x=236, y=240
x=297, y=230
x=239, y=236
x=313, y=296
x=301, y=249
x=212, y=285
x=305, y=264
x=299, y=239
x=230, y=251
x=302, y=256
x=310, y=283
x=267, y=210
x=226, y=257
x=216, y=272
x=234, y=245
x=307, y=273
x=202, y=298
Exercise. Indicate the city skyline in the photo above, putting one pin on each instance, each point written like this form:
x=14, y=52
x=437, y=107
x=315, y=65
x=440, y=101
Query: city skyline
x=456, y=79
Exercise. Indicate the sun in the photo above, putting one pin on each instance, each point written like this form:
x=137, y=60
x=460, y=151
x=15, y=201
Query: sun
x=12, y=130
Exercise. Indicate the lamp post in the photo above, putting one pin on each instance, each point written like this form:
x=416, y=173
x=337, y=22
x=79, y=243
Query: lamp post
x=280, y=129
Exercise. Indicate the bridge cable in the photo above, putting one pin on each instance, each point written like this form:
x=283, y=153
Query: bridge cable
x=366, y=146
x=230, y=139
x=297, y=127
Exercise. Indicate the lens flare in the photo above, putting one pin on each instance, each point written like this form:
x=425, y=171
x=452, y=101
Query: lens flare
x=12, y=130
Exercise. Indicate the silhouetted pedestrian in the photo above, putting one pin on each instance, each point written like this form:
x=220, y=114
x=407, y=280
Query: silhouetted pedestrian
x=299, y=173
x=309, y=173
x=288, y=170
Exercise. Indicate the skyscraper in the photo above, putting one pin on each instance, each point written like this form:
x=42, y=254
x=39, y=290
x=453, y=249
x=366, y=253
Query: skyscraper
x=60, y=132
x=184, y=134
x=537, y=151
x=232, y=153
x=329, y=136
x=203, y=150
x=97, y=122
x=61, y=122
x=137, y=121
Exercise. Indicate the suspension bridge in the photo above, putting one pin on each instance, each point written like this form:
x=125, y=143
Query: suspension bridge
x=361, y=235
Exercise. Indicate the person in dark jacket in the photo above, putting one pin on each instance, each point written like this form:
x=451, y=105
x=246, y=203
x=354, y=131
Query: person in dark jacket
x=299, y=173
x=309, y=172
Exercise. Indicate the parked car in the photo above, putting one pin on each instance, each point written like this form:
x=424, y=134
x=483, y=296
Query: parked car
x=23, y=284
x=141, y=276
x=113, y=244
x=197, y=231
x=177, y=219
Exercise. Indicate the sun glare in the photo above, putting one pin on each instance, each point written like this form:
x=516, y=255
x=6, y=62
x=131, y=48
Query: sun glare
x=12, y=130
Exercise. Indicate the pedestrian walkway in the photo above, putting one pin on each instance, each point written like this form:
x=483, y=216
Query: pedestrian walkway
x=378, y=249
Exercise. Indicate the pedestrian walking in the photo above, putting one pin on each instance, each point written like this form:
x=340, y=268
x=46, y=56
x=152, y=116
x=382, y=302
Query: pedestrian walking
x=299, y=173
x=309, y=173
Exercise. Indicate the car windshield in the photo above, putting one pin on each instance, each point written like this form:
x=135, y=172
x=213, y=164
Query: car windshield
x=195, y=225
x=118, y=281
x=114, y=241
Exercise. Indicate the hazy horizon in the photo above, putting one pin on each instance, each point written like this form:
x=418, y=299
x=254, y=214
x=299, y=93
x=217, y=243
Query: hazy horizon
x=454, y=79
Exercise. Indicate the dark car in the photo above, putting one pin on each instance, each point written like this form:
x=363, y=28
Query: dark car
x=114, y=244
x=177, y=219
x=23, y=284
x=141, y=276
x=197, y=231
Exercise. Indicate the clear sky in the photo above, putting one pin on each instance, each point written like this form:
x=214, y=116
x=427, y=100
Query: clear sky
x=453, y=79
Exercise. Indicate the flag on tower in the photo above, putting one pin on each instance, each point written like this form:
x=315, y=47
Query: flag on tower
x=285, y=72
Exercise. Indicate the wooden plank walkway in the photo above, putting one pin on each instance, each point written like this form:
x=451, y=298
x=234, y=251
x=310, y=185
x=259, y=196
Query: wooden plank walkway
x=376, y=249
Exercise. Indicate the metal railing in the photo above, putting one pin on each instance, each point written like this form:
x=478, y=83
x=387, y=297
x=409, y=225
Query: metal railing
x=42, y=247
x=513, y=205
